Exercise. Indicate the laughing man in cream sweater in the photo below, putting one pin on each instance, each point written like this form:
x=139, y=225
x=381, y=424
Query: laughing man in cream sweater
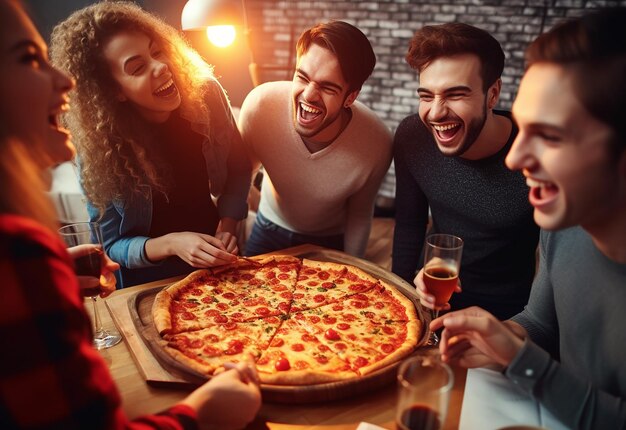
x=324, y=154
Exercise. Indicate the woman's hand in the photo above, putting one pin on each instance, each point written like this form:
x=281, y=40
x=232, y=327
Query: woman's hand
x=196, y=249
x=474, y=338
x=426, y=299
x=229, y=241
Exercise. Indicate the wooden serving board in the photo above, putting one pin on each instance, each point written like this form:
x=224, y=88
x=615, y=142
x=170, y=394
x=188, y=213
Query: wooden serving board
x=132, y=314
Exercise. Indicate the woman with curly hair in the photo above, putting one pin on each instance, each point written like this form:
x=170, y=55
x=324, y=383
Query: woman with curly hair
x=155, y=137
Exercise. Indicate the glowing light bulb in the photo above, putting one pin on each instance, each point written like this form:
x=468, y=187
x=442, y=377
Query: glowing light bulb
x=221, y=35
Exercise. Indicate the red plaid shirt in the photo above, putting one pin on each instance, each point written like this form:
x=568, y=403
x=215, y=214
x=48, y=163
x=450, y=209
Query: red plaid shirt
x=50, y=376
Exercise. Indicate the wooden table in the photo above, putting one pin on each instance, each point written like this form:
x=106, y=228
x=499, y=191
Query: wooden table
x=126, y=365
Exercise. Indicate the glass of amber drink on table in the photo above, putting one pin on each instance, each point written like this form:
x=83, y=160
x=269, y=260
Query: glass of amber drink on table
x=85, y=240
x=424, y=384
x=442, y=262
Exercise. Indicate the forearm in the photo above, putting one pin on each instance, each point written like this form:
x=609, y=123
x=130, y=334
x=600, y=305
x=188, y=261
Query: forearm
x=228, y=225
x=357, y=235
x=159, y=248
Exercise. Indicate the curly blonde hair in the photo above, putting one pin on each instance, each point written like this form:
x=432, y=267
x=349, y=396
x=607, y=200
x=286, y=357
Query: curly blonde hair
x=110, y=137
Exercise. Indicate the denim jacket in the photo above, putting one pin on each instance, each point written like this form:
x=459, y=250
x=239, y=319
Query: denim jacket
x=126, y=223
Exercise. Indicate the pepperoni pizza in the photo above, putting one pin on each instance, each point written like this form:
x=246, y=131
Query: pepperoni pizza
x=303, y=321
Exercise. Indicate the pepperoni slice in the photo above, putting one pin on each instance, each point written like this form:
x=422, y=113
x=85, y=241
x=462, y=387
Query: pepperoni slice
x=211, y=338
x=234, y=347
x=222, y=306
x=263, y=311
x=308, y=338
x=314, y=319
x=322, y=348
x=322, y=359
x=220, y=319
x=283, y=276
x=196, y=343
x=300, y=365
x=323, y=275
x=360, y=362
x=297, y=347
x=329, y=320
x=319, y=298
x=389, y=330
x=343, y=326
x=211, y=351
x=229, y=295
x=188, y=316
x=229, y=326
x=387, y=348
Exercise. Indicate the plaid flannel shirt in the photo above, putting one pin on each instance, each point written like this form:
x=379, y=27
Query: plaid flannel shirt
x=50, y=376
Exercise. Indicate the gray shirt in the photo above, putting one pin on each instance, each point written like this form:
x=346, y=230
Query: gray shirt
x=575, y=362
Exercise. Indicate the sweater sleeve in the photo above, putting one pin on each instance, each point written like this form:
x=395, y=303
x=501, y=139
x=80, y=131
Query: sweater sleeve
x=571, y=398
x=127, y=250
x=361, y=209
x=51, y=366
x=411, y=209
x=232, y=201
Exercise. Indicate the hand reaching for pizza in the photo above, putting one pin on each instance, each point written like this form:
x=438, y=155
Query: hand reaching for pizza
x=229, y=241
x=230, y=400
x=196, y=249
x=473, y=337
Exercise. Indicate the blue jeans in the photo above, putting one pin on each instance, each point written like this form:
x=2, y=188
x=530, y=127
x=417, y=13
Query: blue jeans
x=267, y=237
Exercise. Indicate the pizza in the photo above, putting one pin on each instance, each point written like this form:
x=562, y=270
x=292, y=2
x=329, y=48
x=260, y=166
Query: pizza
x=302, y=321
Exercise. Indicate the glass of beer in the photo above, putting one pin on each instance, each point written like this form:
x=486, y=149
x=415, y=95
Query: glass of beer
x=424, y=384
x=442, y=262
x=85, y=239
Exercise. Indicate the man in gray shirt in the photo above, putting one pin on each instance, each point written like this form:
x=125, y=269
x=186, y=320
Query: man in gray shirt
x=567, y=347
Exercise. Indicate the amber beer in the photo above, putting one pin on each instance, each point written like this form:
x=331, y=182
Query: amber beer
x=440, y=281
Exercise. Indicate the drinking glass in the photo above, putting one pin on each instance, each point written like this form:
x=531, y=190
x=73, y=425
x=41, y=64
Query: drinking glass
x=88, y=236
x=424, y=384
x=442, y=262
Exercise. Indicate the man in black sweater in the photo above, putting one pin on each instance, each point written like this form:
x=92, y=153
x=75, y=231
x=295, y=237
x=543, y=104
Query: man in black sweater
x=449, y=158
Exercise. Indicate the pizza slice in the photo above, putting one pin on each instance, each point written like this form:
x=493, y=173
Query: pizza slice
x=320, y=283
x=380, y=304
x=207, y=350
x=296, y=357
x=266, y=283
x=363, y=343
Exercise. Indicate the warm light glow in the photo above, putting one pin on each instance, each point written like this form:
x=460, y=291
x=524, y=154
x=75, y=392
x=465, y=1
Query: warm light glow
x=221, y=35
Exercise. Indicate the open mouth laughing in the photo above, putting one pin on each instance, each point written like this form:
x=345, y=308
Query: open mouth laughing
x=446, y=132
x=308, y=113
x=166, y=90
x=541, y=192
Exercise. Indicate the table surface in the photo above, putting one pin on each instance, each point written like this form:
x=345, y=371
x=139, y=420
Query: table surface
x=376, y=407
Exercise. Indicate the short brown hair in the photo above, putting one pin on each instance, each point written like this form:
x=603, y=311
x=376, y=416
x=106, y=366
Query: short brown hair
x=445, y=40
x=352, y=48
